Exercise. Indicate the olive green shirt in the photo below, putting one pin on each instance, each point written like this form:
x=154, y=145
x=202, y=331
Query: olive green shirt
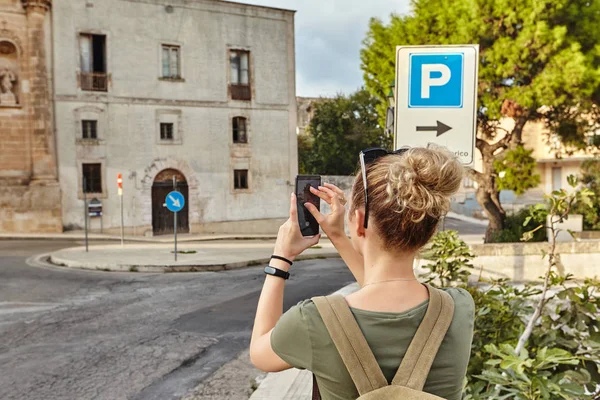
x=301, y=339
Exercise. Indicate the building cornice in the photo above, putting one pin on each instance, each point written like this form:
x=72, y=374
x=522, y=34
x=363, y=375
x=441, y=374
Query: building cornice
x=43, y=5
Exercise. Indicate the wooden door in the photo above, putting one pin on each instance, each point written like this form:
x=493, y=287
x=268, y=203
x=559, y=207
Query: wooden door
x=162, y=218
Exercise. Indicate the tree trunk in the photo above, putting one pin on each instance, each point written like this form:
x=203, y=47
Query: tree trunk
x=489, y=201
x=487, y=193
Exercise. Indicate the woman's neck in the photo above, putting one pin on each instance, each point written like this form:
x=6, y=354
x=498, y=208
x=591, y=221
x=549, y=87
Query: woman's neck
x=381, y=264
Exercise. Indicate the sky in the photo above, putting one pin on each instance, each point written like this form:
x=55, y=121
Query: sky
x=329, y=35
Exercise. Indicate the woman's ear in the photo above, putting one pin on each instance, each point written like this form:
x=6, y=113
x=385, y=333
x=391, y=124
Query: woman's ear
x=359, y=221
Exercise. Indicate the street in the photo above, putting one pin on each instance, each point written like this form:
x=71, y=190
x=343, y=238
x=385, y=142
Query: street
x=69, y=334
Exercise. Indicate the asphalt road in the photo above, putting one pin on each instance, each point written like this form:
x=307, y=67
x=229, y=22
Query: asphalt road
x=68, y=334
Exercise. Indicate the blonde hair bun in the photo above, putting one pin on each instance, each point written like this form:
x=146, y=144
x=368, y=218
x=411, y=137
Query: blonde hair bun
x=421, y=182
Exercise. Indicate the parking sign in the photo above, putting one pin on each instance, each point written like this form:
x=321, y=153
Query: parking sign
x=436, y=98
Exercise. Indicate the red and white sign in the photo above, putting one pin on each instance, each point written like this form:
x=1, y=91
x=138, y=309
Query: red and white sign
x=120, y=184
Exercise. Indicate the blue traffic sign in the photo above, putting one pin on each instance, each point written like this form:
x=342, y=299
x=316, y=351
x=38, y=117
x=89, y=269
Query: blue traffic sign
x=175, y=201
x=436, y=80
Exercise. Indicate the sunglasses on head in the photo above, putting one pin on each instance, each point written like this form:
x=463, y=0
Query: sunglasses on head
x=366, y=157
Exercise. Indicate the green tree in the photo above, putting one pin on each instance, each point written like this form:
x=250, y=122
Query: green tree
x=516, y=170
x=339, y=129
x=539, y=61
x=590, y=177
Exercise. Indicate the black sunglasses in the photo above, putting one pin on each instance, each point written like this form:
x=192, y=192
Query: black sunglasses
x=366, y=157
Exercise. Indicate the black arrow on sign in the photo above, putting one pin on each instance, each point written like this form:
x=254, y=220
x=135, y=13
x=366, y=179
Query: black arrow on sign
x=441, y=128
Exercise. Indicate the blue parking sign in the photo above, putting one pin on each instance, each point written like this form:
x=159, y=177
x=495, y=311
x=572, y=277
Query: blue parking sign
x=436, y=80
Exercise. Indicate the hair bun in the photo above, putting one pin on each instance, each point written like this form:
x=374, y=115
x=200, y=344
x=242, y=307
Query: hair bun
x=422, y=181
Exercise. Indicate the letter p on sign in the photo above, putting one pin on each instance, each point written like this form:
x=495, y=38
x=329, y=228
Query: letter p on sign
x=427, y=79
x=436, y=80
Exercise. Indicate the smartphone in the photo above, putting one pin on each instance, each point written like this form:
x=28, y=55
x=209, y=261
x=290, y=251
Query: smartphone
x=308, y=224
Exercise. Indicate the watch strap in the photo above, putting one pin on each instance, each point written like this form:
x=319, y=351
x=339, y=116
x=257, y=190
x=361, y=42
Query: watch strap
x=269, y=270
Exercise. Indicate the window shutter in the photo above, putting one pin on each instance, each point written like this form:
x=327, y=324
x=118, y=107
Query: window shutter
x=85, y=53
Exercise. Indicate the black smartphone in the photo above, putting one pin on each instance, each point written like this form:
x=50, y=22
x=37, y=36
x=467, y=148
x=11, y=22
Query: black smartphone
x=308, y=224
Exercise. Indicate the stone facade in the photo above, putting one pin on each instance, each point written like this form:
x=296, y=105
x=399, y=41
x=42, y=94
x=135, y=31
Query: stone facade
x=29, y=190
x=306, y=110
x=161, y=82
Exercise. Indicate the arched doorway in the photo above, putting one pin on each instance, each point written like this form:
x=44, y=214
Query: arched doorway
x=162, y=218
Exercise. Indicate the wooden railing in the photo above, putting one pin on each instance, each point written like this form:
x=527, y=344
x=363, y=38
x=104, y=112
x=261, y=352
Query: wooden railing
x=240, y=92
x=94, y=81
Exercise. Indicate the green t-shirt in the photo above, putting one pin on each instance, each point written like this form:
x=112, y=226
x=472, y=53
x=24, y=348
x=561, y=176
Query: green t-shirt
x=301, y=339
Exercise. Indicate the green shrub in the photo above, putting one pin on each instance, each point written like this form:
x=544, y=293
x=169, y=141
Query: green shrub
x=561, y=359
x=590, y=177
x=515, y=225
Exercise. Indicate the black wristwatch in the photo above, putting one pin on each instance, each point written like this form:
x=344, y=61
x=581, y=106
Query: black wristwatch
x=276, y=272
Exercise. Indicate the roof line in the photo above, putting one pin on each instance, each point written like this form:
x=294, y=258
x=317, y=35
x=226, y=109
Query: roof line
x=258, y=6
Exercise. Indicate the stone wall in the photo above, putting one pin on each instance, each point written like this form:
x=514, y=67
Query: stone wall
x=29, y=191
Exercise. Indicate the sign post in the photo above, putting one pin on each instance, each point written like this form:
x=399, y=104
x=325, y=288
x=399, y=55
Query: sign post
x=85, y=213
x=175, y=202
x=120, y=191
x=436, y=100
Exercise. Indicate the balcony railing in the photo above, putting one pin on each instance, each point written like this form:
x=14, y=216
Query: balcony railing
x=240, y=92
x=97, y=82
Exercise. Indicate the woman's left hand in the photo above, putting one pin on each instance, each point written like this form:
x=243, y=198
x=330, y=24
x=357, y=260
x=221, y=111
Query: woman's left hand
x=290, y=242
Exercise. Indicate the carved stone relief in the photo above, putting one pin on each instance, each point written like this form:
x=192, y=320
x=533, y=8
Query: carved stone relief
x=9, y=74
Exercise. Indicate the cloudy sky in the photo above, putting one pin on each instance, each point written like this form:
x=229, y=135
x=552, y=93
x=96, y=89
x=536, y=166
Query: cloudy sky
x=329, y=35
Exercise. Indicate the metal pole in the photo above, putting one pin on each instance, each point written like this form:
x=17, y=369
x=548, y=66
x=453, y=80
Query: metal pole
x=175, y=217
x=85, y=213
x=122, y=234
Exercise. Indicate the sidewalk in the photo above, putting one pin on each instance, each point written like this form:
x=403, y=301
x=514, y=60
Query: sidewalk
x=293, y=384
x=198, y=256
x=185, y=237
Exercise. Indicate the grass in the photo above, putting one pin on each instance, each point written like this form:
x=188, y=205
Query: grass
x=317, y=247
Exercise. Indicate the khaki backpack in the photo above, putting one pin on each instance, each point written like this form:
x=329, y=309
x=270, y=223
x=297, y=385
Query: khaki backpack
x=359, y=359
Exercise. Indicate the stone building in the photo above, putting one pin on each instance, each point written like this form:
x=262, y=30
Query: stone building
x=202, y=91
x=29, y=191
x=306, y=110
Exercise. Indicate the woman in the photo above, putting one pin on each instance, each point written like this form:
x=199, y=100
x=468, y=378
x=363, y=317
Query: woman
x=408, y=191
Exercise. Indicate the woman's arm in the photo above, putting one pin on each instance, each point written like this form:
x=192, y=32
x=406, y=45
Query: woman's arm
x=333, y=225
x=289, y=244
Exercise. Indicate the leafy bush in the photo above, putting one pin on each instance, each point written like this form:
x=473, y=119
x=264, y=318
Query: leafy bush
x=515, y=225
x=561, y=359
x=590, y=177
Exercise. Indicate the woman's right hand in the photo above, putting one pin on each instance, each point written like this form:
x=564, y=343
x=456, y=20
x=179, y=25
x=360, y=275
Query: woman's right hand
x=332, y=223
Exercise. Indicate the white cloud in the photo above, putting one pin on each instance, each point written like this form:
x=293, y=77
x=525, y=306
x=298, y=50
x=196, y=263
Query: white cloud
x=329, y=35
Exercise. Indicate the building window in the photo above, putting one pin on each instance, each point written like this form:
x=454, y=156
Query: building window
x=92, y=178
x=240, y=179
x=166, y=131
x=170, y=62
x=468, y=183
x=92, y=49
x=556, y=178
x=240, y=75
x=240, y=130
x=89, y=129
x=593, y=140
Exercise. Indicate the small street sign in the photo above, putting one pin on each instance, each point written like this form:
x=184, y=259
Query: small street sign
x=436, y=98
x=175, y=201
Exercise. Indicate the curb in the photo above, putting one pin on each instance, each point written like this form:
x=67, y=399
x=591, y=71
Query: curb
x=137, y=239
x=466, y=218
x=63, y=262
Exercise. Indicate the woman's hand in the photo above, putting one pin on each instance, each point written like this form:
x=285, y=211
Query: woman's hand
x=290, y=242
x=332, y=223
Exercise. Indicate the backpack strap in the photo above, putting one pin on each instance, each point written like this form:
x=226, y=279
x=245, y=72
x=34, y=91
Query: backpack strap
x=417, y=361
x=350, y=343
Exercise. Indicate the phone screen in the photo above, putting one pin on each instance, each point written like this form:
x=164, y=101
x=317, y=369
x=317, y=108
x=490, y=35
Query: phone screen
x=308, y=224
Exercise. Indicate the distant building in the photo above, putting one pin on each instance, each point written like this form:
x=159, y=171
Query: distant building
x=30, y=198
x=202, y=91
x=306, y=110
